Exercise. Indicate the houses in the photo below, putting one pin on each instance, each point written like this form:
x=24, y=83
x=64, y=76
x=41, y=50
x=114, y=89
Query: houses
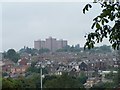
x=91, y=81
x=13, y=69
x=59, y=62
x=83, y=66
x=19, y=69
x=23, y=62
x=7, y=65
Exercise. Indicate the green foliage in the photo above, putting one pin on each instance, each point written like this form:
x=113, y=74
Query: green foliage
x=110, y=75
x=117, y=78
x=28, y=50
x=10, y=83
x=82, y=78
x=103, y=29
x=103, y=86
x=4, y=54
x=101, y=49
x=86, y=8
x=34, y=69
x=43, y=50
x=4, y=74
x=33, y=51
x=48, y=78
x=12, y=55
x=33, y=81
x=21, y=83
x=63, y=81
x=37, y=70
x=68, y=48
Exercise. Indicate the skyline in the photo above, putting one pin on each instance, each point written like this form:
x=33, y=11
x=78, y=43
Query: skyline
x=25, y=22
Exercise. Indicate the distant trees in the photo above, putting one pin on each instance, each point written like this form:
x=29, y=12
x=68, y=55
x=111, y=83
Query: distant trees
x=10, y=83
x=82, y=78
x=33, y=81
x=28, y=50
x=12, y=55
x=63, y=81
x=68, y=48
x=37, y=70
x=103, y=86
x=76, y=48
x=43, y=50
x=19, y=83
x=33, y=51
x=101, y=49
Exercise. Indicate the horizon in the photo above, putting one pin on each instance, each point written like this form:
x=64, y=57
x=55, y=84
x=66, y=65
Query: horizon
x=34, y=48
x=25, y=22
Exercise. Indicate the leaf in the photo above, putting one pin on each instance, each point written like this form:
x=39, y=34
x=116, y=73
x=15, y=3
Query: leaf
x=114, y=45
x=106, y=20
x=102, y=22
x=95, y=19
x=98, y=25
x=90, y=6
x=86, y=8
x=93, y=25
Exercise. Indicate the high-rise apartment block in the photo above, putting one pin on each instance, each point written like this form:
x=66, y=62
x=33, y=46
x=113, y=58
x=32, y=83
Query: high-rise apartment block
x=50, y=43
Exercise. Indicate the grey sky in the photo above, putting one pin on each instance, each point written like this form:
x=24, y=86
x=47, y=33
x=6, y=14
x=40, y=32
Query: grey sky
x=22, y=23
x=0, y=27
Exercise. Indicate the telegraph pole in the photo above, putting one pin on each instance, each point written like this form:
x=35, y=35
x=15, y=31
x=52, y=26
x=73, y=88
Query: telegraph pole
x=41, y=77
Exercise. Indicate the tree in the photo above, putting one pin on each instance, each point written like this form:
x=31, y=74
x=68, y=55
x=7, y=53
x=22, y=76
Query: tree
x=103, y=28
x=12, y=55
x=28, y=50
x=43, y=50
x=82, y=78
x=63, y=81
x=10, y=83
x=103, y=86
x=37, y=70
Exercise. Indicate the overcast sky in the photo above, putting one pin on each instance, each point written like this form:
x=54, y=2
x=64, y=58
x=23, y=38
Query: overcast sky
x=22, y=23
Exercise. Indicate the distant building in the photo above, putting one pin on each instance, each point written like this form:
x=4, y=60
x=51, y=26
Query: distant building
x=61, y=44
x=39, y=44
x=50, y=43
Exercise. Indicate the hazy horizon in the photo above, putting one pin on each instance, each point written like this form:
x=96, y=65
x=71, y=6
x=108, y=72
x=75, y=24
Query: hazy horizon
x=22, y=23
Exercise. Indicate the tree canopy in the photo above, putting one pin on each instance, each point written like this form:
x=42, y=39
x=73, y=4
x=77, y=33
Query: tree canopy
x=64, y=81
x=104, y=29
x=12, y=55
x=102, y=24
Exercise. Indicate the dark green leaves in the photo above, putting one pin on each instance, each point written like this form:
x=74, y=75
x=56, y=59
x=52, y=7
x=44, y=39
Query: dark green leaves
x=97, y=25
x=12, y=55
x=103, y=29
x=86, y=8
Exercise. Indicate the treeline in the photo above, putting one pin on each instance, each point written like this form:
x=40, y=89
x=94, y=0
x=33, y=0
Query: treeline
x=33, y=51
x=53, y=81
x=33, y=81
x=68, y=48
x=12, y=55
x=76, y=48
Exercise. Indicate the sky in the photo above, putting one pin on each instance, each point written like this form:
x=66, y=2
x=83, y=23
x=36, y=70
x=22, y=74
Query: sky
x=23, y=22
